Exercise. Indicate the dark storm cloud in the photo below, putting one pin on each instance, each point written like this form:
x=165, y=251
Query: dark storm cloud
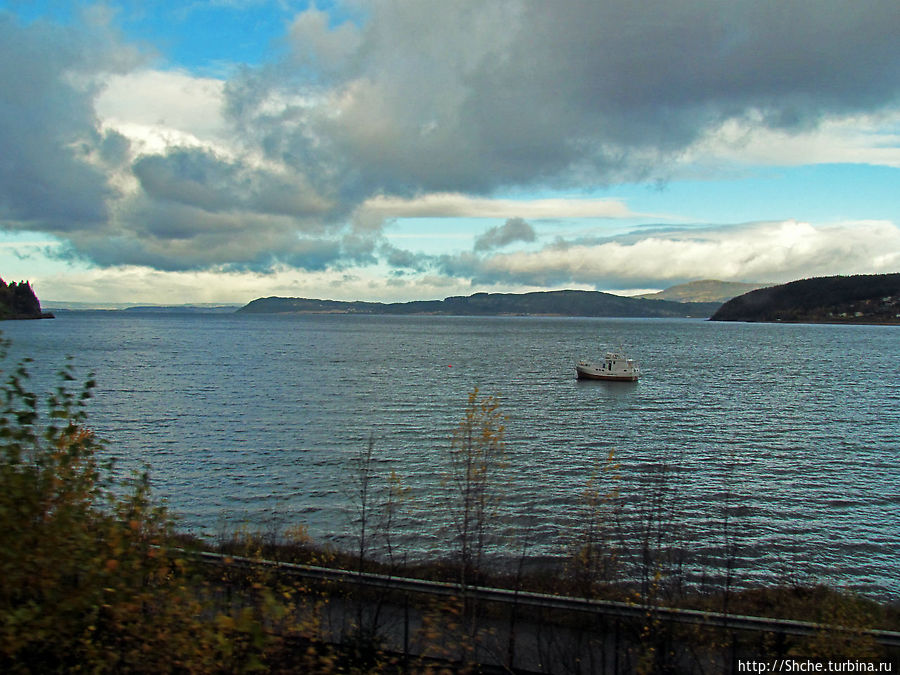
x=431, y=96
x=198, y=210
x=196, y=177
x=402, y=259
x=49, y=179
x=185, y=238
x=469, y=96
x=194, y=209
x=513, y=230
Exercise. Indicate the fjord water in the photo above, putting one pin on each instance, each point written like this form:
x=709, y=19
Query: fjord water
x=793, y=430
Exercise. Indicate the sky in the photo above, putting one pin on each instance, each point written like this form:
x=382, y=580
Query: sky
x=216, y=151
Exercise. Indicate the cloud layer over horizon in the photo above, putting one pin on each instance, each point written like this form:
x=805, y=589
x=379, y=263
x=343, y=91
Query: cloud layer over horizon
x=442, y=110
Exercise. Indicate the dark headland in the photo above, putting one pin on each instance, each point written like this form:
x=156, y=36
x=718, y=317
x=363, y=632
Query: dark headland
x=18, y=301
x=863, y=298
x=542, y=303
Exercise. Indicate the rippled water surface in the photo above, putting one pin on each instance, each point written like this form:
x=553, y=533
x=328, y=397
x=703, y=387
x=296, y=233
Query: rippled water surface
x=794, y=428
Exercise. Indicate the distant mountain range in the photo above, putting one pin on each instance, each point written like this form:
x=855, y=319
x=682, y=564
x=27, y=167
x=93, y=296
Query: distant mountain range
x=863, y=298
x=708, y=290
x=99, y=306
x=839, y=299
x=549, y=303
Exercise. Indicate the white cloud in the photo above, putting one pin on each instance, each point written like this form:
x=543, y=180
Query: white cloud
x=158, y=109
x=319, y=46
x=456, y=205
x=853, y=139
x=777, y=252
x=133, y=284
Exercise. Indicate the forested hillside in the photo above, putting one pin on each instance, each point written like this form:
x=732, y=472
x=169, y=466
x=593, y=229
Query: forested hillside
x=554, y=303
x=864, y=298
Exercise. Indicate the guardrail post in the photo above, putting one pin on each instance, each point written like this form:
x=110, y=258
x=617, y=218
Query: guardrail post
x=616, y=645
x=405, y=632
x=734, y=648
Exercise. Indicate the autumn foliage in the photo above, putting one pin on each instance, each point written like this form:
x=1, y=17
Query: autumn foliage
x=91, y=578
x=88, y=579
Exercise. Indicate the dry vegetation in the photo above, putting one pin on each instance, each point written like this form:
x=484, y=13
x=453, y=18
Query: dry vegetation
x=95, y=578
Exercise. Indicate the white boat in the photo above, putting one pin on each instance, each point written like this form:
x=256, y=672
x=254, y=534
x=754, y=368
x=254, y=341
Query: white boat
x=614, y=368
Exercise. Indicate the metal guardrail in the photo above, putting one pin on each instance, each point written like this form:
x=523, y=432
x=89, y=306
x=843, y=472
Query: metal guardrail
x=545, y=600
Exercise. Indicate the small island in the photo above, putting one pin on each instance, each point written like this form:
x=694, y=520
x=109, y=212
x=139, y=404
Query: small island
x=18, y=301
x=861, y=299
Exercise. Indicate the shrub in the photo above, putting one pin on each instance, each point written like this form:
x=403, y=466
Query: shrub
x=87, y=581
